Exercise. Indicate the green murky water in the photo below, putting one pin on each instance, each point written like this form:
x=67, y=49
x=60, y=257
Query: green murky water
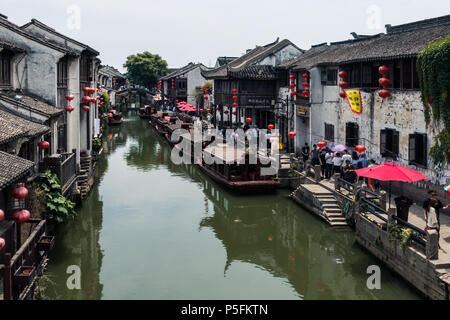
x=153, y=230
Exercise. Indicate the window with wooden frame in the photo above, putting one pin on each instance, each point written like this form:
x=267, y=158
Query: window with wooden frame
x=62, y=68
x=418, y=149
x=389, y=143
x=328, y=77
x=5, y=68
x=351, y=134
x=329, y=132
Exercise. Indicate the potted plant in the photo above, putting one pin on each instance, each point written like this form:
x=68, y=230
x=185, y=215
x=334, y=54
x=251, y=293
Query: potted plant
x=46, y=243
x=24, y=275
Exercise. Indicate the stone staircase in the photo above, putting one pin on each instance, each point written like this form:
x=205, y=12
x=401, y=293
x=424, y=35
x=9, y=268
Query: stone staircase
x=325, y=203
x=85, y=176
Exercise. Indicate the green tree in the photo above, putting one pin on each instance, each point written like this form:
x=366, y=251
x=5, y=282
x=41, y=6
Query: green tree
x=145, y=68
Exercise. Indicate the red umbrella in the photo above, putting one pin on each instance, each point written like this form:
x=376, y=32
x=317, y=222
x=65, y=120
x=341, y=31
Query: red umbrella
x=391, y=172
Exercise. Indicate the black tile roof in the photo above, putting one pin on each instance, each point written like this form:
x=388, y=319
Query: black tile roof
x=30, y=103
x=402, y=41
x=12, y=168
x=181, y=71
x=224, y=60
x=10, y=46
x=13, y=127
x=13, y=27
x=251, y=57
x=53, y=31
x=255, y=72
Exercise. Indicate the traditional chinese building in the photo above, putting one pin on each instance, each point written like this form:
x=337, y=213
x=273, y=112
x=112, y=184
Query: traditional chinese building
x=254, y=75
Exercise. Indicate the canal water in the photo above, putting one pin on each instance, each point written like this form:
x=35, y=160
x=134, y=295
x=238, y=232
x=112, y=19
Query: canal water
x=154, y=230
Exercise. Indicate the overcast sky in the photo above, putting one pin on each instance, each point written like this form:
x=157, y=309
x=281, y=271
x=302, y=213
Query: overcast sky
x=184, y=31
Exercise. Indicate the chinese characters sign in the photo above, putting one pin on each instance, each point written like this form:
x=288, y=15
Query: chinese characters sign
x=355, y=101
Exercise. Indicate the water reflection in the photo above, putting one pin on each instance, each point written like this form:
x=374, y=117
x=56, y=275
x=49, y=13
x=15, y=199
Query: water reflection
x=154, y=230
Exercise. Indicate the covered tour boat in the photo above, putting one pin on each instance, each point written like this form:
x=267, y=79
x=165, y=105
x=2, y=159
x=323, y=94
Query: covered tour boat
x=235, y=170
x=146, y=112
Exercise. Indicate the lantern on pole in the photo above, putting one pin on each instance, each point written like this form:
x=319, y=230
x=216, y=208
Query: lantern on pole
x=69, y=109
x=69, y=97
x=384, y=82
x=292, y=134
x=270, y=127
x=322, y=144
x=249, y=120
x=86, y=108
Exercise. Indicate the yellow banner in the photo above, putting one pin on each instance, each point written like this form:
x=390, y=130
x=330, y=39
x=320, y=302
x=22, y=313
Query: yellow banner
x=355, y=101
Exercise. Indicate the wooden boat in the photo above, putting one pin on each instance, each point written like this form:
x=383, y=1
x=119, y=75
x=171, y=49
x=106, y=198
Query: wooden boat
x=172, y=127
x=161, y=125
x=155, y=116
x=244, y=177
x=115, y=118
x=193, y=141
x=146, y=112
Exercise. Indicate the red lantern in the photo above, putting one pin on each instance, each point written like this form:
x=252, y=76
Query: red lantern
x=234, y=91
x=270, y=126
x=70, y=108
x=20, y=193
x=86, y=90
x=235, y=105
x=293, y=93
x=235, y=97
x=360, y=148
x=306, y=93
x=305, y=76
x=322, y=144
x=292, y=134
x=226, y=112
x=248, y=120
x=2, y=215
x=234, y=112
x=384, y=70
x=293, y=85
x=44, y=145
x=306, y=84
x=86, y=99
x=217, y=109
x=206, y=98
x=384, y=93
x=69, y=97
x=343, y=84
x=292, y=77
x=343, y=74
x=201, y=110
x=384, y=82
x=2, y=244
x=93, y=100
x=343, y=94
x=448, y=191
x=21, y=216
x=86, y=108
x=430, y=100
x=208, y=110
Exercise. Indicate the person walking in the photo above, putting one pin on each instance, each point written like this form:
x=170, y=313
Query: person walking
x=403, y=204
x=436, y=205
x=373, y=184
x=355, y=159
x=363, y=160
x=323, y=162
x=329, y=164
x=315, y=161
x=337, y=163
x=305, y=152
x=346, y=157
x=349, y=173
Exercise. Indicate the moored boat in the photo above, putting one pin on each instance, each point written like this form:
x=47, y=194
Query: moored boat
x=235, y=171
x=146, y=112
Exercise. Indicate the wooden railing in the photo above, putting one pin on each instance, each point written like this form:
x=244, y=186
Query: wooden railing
x=64, y=166
x=16, y=283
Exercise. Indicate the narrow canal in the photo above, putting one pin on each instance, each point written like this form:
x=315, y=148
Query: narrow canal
x=153, y=230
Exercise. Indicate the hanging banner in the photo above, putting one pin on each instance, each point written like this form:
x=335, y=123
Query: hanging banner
x=355, y=101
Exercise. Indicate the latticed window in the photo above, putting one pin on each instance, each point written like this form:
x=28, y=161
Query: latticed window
x=5, y=68
x=329, y=132
x=63, y=73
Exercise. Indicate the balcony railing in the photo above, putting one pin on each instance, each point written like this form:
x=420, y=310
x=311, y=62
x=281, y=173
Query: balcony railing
x=64, y=166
